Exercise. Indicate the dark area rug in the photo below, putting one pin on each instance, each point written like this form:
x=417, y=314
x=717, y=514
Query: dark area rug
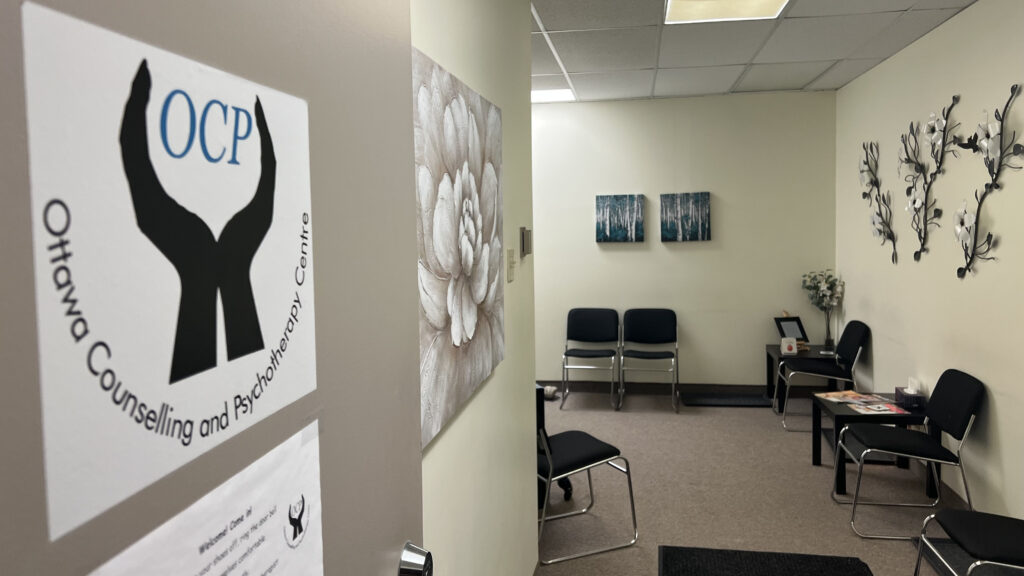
x=958, y=559
x=753, y=401
x=677, y=561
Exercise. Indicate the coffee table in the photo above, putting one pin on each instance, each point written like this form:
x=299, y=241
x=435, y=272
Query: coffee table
x=841, y=415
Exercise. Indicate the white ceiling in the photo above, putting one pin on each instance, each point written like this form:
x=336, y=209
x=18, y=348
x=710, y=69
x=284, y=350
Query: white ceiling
x=618, y=49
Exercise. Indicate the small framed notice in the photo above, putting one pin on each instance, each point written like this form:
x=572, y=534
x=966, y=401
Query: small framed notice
x=791, y=327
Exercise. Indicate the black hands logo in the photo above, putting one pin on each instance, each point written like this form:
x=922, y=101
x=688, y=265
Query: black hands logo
x=296, y=521
x=296, y=513
x=204, y=264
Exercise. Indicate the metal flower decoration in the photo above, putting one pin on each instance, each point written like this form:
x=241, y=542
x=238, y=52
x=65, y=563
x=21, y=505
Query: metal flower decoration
x=920, y=175
x=881, y=216
x=998, y=154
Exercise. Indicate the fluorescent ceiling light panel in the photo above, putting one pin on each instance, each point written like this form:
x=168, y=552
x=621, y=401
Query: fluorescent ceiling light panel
x=546, y=96
x=691, y=11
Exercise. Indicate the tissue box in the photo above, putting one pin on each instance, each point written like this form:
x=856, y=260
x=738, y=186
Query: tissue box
x=908, y=400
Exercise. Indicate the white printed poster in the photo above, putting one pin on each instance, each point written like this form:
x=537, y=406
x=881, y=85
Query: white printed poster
x=172, y=242
x=264, y=520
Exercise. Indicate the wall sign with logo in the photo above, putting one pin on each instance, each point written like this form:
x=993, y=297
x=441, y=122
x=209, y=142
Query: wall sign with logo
x=263, y=520
x=172, y=232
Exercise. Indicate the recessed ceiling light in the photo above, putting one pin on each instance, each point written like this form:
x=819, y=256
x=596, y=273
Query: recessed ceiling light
x=546, y=96
x=691, y=11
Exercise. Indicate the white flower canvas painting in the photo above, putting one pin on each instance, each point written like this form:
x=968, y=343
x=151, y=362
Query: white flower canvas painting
x=459, y=233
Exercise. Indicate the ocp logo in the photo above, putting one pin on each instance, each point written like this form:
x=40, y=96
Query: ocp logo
x=241, y=116
x=298, y=521
x=205, y=265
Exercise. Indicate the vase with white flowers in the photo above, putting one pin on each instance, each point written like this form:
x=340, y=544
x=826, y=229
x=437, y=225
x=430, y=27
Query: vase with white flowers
x=825, y=291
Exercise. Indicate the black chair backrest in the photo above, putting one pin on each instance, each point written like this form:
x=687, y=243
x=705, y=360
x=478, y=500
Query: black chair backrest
x=540, y=408
x=854, y=337
x=542, y=433
x=592, y=325
x=649, y=326
x=956, y=397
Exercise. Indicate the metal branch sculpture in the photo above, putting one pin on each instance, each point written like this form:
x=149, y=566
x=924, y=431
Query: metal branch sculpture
x=989, y=142
x=920, y=176
x=881, y=216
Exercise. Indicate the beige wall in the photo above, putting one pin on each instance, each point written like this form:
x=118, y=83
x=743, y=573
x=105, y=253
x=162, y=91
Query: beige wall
x=923, y=319
x=479, y=491
x=768, y=161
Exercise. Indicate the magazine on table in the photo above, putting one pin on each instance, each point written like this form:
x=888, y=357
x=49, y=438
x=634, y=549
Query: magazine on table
x=883, y=408
x=850, y=397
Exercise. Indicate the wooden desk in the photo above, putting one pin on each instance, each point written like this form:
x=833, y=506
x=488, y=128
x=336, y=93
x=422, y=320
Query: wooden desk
x=773, y=355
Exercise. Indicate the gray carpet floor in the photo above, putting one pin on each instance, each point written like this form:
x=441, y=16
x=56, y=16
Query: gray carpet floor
x=720, y=477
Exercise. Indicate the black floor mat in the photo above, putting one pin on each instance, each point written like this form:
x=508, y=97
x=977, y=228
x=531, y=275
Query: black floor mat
x=676, y=561
x=754, y=401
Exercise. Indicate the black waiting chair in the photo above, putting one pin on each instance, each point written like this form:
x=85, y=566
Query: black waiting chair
x=655, y=329
x=567, y=453
x=988, y=538
x=951, y=409
x=839, y=368
x=598, y=330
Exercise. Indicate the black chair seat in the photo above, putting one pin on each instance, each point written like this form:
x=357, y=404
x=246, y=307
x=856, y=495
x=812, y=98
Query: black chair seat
x=590, y=353
x=901, y=441
x=573, y=450
x=825, y=367
x=985, y=536
x=649, y=354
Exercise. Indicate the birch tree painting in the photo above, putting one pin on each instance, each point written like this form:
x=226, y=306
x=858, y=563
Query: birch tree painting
x=620, y=218
x=686, y=217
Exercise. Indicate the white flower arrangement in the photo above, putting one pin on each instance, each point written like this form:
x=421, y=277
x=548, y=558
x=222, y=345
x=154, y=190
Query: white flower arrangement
x=824, y=289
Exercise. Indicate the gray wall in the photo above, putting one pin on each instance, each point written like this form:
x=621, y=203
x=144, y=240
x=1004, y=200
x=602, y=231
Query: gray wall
x=350, y=60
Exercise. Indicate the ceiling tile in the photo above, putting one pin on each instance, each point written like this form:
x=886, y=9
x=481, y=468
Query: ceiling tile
x=825, y=38
x=935, y=4
x=712, y=43
x=542, y=61
x=805, y=8
x=607, y=50
x=613, y=85
x=842, y=73
x=903, y=31
x=594, y=14
x=696, y=81
x=786, y=76
x=548, y=82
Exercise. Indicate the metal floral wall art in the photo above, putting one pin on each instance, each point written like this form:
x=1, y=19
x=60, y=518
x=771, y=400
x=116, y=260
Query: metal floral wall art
x=920, y=175
x=881, y=203
x=997, y=153
x=457, y=136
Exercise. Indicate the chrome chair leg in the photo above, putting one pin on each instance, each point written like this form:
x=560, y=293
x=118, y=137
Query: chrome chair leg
x=624, y=468
x=785, y=411
x=920, y=547
x=675, y=382
x=841, y=451
x=565, y=383
x=963, y=476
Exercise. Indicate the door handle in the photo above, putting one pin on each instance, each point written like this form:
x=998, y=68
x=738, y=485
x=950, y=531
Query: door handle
x=415, y=561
